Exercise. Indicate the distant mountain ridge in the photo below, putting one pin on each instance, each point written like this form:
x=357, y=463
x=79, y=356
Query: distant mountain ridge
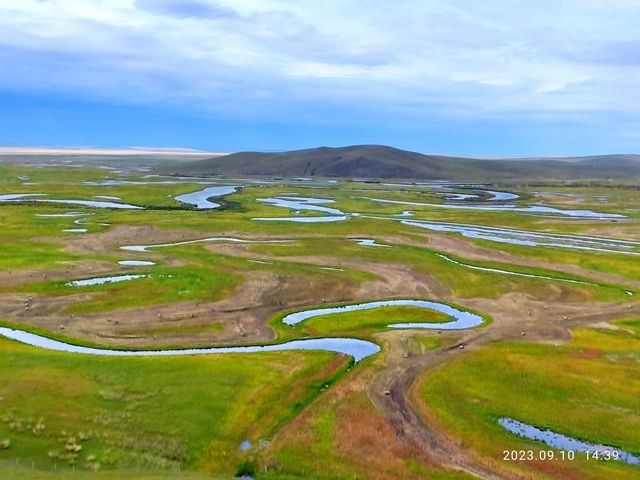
x=380, y=162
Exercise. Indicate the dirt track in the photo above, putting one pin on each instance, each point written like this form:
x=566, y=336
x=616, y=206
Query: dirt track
x=393, y=390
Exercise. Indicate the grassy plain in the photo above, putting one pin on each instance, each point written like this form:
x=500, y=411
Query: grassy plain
x=61, y=410
x=160, y=418
x=586, y=389
x=464, y=282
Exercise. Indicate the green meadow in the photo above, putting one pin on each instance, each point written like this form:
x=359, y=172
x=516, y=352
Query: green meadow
x=463, y=281
x=367, y=322
x=64, y=412
x=586, y=389
x=311, y=414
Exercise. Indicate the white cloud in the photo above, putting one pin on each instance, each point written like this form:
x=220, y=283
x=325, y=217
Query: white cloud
x=458, y=56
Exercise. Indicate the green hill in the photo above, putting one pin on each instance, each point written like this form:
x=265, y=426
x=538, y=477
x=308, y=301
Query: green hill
x=378, y=161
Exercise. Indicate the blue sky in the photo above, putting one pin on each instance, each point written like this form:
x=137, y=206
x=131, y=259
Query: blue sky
x=463, y=77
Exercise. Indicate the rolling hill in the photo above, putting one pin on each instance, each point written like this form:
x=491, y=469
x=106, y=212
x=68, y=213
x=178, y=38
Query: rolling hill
x=379, y=162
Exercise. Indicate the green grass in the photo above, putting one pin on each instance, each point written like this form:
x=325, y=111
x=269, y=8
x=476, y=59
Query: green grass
x=17, y=256
x=145, y=417
x=25, y=472
x=163, y=285
x=586, y=389
x=149, y=195
x=147, y=413
x=364, y=323
x=618, y=292
x=205, y=276
x=343, y=438
x=9, y=176
x=464, y=282
x=430, y=343
x=632, y=324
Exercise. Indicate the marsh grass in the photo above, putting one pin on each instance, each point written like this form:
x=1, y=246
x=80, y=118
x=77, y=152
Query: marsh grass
x=586, y=389
x=155, y=413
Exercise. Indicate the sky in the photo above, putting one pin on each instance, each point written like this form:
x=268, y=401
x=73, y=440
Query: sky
x=461, y=77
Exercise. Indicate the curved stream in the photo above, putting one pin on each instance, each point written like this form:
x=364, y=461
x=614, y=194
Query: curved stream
x=509, y=272
x=585, y=214
x=302, y=203
x=136, y=263
x=501, y=196
x=145, y=248
x=369, y=242
x=461, y=318
x=530, y=238
x=102, y=280
x=299, y=204
x=358, y=349
x=496, y=196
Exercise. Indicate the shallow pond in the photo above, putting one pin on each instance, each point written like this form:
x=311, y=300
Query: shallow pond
x=496, y=196
x=563, y=442
x=298, y=204
x=358, y=349
x=102, y=280
x=302, y=203
x=501, y=196
x=200, y=199
x=406, y=213
x=461, y=319
x=136, y=263
x=369, y=242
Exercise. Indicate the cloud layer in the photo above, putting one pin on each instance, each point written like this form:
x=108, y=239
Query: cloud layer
x=561, y=60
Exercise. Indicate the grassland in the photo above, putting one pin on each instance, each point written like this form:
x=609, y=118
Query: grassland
x=586, y=389
x=168, y=285
x=344, y=437
x=463, y=281
x=61, y=410
x=18, y=472
x=311, y=415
